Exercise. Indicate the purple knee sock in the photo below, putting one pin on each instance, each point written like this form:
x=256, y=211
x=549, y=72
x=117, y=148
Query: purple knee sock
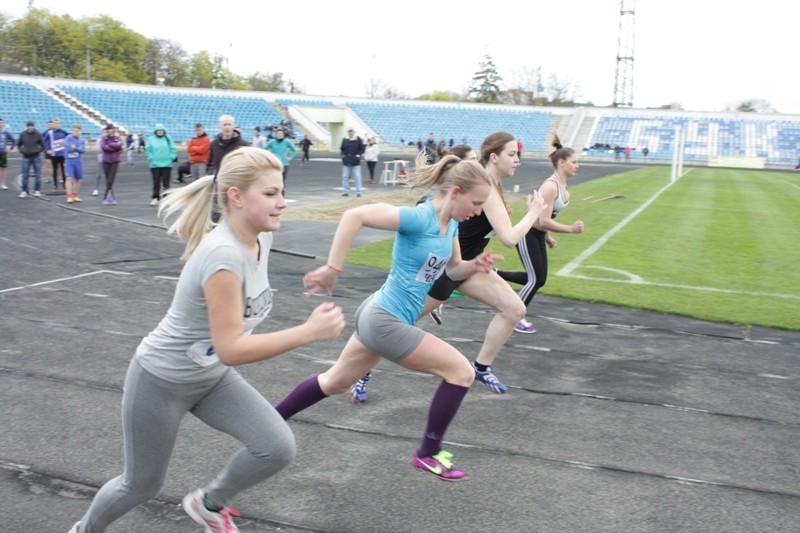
x=304, y=395
x=444, y=407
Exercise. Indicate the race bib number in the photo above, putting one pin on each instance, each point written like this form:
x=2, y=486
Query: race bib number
x=58, y=145
x=432, y=268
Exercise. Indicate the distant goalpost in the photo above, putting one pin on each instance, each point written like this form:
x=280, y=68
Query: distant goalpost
x=678, y=147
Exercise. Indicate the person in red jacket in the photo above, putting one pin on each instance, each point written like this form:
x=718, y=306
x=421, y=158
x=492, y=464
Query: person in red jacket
x=199, y=149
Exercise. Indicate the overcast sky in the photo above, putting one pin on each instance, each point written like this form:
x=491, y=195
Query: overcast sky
x=703, y=54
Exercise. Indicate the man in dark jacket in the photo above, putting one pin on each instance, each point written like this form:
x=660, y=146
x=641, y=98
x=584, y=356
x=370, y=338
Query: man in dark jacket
x=228, y=140
x=30, y=144
x=352, y=148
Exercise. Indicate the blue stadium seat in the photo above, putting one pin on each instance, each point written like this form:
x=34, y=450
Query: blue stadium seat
x=178, y=111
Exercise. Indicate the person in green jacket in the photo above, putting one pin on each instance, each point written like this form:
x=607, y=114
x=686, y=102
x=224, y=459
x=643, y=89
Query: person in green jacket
x=283, y=149
x=161, y=154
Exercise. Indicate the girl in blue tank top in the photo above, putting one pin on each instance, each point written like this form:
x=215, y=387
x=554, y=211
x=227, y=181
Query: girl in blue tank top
x=426, y=246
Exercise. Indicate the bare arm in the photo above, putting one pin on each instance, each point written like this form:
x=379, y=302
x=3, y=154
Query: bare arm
x=377, y=216
x=546, y=222
x=223, y=297
x=498, y=217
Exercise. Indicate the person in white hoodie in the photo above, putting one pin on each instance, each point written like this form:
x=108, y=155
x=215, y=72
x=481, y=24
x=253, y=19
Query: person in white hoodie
x=371, y=154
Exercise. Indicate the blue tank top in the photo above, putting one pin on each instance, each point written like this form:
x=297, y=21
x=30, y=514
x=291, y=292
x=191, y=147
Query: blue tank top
x=419, y=257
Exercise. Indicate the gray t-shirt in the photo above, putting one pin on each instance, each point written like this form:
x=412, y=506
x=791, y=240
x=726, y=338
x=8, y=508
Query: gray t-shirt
x=179, y=349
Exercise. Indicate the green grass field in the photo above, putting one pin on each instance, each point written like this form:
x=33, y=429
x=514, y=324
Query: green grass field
x=718, y=245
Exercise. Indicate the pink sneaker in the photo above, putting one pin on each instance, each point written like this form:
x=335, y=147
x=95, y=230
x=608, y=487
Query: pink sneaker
x=220, y=522
x=440, y=464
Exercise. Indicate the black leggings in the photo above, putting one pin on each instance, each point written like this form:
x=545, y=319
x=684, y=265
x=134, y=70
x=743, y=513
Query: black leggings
x=161, y=177
x=371, y=167
x=110, y=172
x=533, y=253
x=58, y=162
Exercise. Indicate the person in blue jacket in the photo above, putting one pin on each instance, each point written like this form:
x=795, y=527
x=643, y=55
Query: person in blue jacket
x=161, y=153
x=74, y=148
x=54, y=148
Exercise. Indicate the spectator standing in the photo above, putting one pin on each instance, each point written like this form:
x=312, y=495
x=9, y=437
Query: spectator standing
x=54, y=148
x=142, y=143
x=161, y=153
x=111, y=146
x=305, y=145
x=371, y=154
x=228, y=139
x=100, y=173
x=199, y=150
x=30, y=144
x=352, y=149
x=284, y=150
x=431, y=149
x=7, y=142
x=519, y=148
x=47, y=167
x=74, y=148
x=130, y=147
x=259, y=141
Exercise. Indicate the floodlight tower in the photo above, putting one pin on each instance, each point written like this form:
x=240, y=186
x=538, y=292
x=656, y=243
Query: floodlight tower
x=623, y=80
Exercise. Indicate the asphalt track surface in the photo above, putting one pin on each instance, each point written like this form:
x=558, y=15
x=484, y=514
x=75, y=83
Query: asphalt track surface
x=616, y=420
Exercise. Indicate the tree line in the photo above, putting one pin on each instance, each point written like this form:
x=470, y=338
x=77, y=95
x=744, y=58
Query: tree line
x=101, y=48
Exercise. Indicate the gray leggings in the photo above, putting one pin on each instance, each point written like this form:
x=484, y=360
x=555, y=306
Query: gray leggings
x=152, y=409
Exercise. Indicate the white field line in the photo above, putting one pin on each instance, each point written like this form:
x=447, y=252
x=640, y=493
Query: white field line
x=792, y=184
x=689, y=287
x=570, y=267
x=49, y=282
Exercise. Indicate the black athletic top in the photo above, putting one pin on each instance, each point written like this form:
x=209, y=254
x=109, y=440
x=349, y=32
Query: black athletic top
x=473, y=236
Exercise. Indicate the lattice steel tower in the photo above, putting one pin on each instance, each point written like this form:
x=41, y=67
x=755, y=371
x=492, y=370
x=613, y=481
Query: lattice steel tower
x=623, y=80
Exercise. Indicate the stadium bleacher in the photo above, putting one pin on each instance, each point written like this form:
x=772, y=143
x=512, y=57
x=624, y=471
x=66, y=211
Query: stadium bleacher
x=139, y=110
x=21, y=102
x=286, y=102
x=773, y=139
x=411, y=122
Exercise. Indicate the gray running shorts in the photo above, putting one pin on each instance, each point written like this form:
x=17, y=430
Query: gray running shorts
x=385, y=334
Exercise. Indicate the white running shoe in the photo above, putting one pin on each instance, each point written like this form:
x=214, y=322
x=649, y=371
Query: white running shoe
x=437, y=315
x=220, y=522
